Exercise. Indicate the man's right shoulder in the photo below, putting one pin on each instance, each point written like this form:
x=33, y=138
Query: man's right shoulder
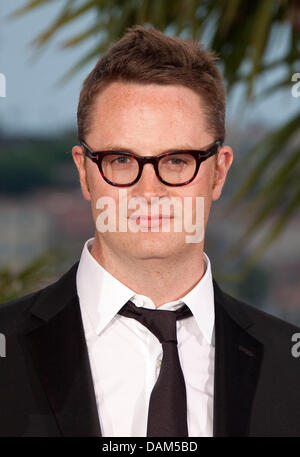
x=13, y=312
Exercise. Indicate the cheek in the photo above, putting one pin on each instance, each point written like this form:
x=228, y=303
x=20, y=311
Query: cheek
x=95, y=181
x=201, y=186
x=98, y=188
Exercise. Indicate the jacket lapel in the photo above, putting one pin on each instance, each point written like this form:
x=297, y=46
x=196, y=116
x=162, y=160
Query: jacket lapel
x=58, y=348
x=238, y=358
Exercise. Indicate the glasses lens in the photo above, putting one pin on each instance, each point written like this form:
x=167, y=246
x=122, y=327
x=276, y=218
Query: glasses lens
x=177, y=168
x=119, y=168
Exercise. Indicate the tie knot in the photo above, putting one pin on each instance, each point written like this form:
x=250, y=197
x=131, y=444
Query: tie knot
x=162, y=323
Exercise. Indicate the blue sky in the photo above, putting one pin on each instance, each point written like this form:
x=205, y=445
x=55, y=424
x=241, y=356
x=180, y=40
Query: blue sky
x=36, y=104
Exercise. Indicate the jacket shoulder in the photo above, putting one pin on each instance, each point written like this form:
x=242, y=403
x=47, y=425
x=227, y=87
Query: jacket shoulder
x=267, y=328
x=13, y=312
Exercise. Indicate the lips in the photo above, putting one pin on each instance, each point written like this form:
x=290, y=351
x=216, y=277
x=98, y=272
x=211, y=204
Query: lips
x=148, y=221
x=161, y=216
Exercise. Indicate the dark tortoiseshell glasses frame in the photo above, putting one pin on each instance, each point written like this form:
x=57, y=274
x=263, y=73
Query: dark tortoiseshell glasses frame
x=199, y=156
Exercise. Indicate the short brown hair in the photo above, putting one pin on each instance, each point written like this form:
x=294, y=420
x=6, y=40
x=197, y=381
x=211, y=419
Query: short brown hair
x=146, y=55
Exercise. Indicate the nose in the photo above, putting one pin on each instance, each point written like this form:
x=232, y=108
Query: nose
x=149, y=184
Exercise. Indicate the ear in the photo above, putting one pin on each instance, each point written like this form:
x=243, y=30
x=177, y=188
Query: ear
x=79, y=159
x=224, y=160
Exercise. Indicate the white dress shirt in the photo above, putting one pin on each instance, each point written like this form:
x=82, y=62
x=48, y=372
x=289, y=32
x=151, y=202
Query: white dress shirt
x=125, y=356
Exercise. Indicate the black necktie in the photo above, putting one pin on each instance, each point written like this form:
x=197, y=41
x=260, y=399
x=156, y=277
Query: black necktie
x=167, y=415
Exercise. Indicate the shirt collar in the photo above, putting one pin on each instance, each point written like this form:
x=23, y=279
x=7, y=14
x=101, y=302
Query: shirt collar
x=102, y=295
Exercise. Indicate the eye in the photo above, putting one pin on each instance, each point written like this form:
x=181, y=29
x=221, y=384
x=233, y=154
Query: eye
x=176, y=161
x=118, y=161
x=121, y=160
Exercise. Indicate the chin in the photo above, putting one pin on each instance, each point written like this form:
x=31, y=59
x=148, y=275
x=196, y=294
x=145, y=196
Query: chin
x=156, y=247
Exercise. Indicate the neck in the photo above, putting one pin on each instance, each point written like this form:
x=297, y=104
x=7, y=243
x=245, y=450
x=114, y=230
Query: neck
x=162, y=280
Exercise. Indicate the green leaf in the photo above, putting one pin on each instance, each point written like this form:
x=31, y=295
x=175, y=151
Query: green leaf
x=65, y=17
x=31, y=5
x=263, y=20
x=277, y=229
x=270, y=148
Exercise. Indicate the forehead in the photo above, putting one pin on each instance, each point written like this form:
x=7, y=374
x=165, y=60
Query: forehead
x=150, y=112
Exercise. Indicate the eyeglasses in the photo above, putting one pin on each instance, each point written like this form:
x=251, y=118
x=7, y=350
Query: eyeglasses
x=175, y=168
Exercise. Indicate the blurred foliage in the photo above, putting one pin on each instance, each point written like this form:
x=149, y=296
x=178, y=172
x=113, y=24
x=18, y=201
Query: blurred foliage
x=30, y=163
x=241, y=31
x=34, y=163
x=252, y=287
x=35, y=275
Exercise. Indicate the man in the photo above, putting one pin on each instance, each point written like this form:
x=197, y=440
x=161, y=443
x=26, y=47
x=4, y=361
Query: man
x=77, y=364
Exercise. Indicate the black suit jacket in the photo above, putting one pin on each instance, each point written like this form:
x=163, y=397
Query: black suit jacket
x=46, y=388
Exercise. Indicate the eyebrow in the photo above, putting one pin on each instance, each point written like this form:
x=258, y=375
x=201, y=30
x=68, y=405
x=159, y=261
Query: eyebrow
x=116, y=147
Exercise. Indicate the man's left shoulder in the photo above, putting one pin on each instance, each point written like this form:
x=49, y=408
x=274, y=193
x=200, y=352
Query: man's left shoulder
x=264, y=319
x=263, y=325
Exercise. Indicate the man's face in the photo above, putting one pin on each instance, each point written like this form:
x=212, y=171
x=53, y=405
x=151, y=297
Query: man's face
x=148, y=120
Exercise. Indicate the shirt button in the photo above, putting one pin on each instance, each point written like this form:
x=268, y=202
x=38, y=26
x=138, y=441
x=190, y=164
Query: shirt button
x=158, y=363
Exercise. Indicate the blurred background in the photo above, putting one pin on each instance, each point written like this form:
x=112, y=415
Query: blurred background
x=47, y=48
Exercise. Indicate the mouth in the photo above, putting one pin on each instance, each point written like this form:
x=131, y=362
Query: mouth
x=148, y=221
